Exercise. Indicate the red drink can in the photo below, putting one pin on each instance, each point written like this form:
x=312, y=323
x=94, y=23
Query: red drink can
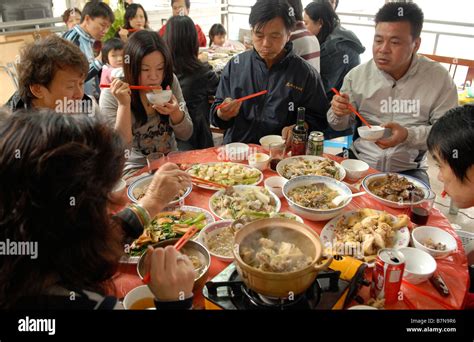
x=387, y=275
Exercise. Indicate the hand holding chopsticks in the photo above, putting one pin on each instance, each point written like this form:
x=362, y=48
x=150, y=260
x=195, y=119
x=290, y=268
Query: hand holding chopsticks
x=178, y=245
x=242, y=99
x=352, y=109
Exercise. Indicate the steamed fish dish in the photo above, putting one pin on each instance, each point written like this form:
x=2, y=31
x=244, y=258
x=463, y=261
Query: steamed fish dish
x=306, y=167
x=314, y=196
x=272, y=256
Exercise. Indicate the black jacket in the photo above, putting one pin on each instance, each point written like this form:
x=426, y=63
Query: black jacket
x=340, y=53
x=197, y=87
x=291, y=83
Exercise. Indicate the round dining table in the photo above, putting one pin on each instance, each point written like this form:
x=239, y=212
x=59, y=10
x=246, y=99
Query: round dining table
x=453, y=268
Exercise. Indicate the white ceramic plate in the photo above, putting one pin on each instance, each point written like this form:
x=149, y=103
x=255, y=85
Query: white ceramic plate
x=258, y=181
x=290, y=160
x=401, y=238
x=144, y=182
x=209, y=219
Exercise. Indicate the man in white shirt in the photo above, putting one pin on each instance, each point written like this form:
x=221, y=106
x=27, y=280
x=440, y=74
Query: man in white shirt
x=398, y=89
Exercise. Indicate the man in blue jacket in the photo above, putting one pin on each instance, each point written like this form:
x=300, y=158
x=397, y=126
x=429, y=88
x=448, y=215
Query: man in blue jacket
x=272, y=65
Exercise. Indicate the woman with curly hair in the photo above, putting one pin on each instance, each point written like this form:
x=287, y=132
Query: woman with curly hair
x=56, y=175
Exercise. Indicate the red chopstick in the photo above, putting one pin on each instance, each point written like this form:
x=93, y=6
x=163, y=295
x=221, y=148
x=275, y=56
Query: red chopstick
x=206, y=182
x=133, y=30
x=443, y=194
x=263, y=92
x=178, y=245
x=352, y=109
x=134, y=87
x=185, y=238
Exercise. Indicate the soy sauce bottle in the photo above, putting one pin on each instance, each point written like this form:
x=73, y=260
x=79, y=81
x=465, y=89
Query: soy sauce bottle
x=300, y=134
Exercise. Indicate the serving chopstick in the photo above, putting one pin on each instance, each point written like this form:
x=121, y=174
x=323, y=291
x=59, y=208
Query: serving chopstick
x=134, y=87
x=200, y=181
x=178, y=245
x=352, y=109
x=242, y=99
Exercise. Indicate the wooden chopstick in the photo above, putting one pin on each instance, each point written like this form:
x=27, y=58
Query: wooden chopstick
x=134, y=87
x=206, y=182
x=352, y=109
x=251, y=96
x=178, y=245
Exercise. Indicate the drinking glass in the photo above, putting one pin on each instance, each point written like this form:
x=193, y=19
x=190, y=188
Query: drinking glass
x=421, y=207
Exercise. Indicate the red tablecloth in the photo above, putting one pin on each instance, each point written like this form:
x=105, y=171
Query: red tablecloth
x=423, y=296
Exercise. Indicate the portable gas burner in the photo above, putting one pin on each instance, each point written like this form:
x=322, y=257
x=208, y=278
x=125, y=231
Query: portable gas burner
x=227, y=291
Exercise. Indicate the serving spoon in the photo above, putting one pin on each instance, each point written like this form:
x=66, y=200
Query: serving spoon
x=342, y=198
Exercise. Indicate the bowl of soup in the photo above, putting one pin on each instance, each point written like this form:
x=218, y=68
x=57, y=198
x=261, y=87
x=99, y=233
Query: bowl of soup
x=139, y=298
x=196, y=252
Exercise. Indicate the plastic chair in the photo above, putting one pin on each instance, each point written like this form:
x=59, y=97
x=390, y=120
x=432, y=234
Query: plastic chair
x=453, y=63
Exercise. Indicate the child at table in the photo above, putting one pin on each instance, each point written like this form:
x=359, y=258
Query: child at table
x=112, y=54
x=217, y=39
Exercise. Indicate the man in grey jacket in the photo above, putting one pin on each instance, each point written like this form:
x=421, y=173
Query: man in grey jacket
x=398, y=89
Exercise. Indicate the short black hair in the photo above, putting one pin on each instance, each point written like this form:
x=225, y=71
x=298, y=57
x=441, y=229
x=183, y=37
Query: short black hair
x=187, y=2
x=402, y=11
x=324, y=11
x=297, y=9
x=111, y=44
x=452, y=139
x=265, y=10
x=97, y=9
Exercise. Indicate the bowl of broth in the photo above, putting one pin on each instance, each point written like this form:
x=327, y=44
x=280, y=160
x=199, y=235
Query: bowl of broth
x=140, y=298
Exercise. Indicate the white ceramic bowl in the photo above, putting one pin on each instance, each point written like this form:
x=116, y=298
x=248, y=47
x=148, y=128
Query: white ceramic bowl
x=275, y=184
x=268, y=139
x=140, y=292
x=373, y=134
x=355, y=169
x=237, y=152
x=159, y=98
x=144, y=182
x=316, y=214
x=437, y=235
x=419, y=265
x=392, y=204
x=211, y=230
x=259, y=161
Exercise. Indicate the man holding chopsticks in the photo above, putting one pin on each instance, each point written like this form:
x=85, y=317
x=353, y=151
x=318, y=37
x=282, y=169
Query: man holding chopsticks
x=273, y=66
x=397, y=89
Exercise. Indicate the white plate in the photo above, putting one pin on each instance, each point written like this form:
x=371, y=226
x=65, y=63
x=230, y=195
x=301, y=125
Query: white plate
x=259, y=180
x=286, y=161
x=145, y=181
x=237, y=187
x=392, y=204
x=126, y=259
x=401, y=238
